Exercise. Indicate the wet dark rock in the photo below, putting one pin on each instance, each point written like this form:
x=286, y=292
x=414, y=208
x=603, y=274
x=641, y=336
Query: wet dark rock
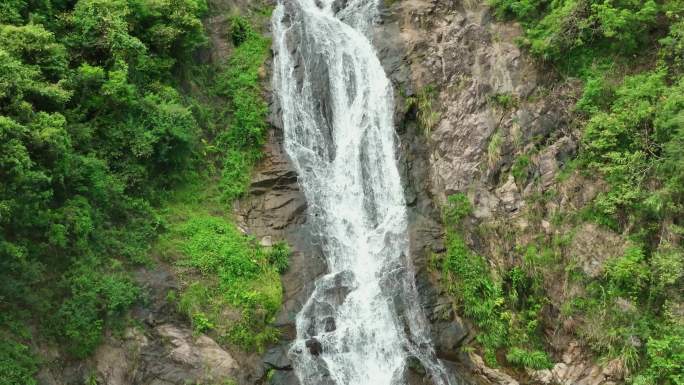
x=339, y=291
x=416, y=366
x=314, y=346
x=283, y=378
x=449, y=337
x=329, y=323
x=276, y=358
x=337, y=5
x=414, y=373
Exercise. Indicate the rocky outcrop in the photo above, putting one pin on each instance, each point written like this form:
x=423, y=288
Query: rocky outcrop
x=275, y=209
x=502, y=133
x=575, y=369
x=275, y=205
x=179, y=358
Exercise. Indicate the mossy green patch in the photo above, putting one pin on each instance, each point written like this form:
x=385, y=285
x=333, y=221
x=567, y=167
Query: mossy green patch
x=231, y=284
x=239, y=82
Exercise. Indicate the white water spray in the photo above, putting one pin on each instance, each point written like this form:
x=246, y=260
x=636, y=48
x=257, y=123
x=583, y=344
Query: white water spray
x=363, y=321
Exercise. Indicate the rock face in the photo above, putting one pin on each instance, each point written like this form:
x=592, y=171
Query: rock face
x=179, y=358
x=501, y=135
x=575, y=370
x=274, y=205
x=275, y=209
x=485, y=90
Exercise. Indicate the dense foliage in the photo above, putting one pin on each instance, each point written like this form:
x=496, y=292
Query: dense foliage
x=95, y=126
x=579, y=31
x=239, y=82
x=634, y=136
x=91, y=124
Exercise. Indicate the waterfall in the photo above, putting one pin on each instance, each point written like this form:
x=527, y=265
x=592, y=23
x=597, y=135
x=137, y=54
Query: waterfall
x=362, y=324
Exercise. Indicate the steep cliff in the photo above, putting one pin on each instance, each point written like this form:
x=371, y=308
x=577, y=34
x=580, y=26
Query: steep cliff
x=490, y=137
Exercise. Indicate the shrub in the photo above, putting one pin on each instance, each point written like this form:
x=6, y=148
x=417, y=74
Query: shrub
x=534, y=359
x=570, y=26
x=279, y=256
x=96, y=295
x=520, y=168
x=504, y=101
x=201, y=323
x=458, y=207
x=666, y=358
x=629, y=273
x=17, y=364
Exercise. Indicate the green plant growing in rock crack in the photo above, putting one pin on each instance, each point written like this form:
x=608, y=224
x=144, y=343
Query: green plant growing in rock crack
x=520, y=169
x=505, y=309
x=494, y=148
x=425, y=112
x=630, y=113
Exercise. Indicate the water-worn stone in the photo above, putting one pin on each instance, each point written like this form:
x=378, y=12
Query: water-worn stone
x=314, y=346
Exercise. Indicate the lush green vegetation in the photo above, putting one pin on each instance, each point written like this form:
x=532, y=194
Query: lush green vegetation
x=520, y=168
x=505, y=308
x=100, y=117
x=629, y=55
x=231, y=285
x=239, y=83
x=577, y=32
x=17, y=364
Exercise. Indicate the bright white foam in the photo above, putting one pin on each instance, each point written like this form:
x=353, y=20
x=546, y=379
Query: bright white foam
x=337, y=106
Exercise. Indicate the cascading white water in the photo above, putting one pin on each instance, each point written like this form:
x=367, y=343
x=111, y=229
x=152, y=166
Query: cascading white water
x=363, y=322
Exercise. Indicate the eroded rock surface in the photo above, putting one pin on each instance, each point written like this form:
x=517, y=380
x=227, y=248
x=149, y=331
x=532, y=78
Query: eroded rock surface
x=501, y=135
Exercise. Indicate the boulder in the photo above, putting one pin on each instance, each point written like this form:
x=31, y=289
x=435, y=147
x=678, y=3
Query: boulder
x=448, y=338
x=201, y=354
x=314, y=346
